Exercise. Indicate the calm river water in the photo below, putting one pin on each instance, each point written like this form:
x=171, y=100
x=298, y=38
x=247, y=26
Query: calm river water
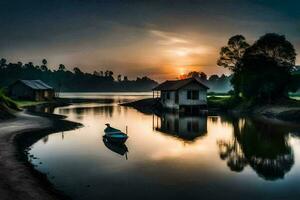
x=169, y=156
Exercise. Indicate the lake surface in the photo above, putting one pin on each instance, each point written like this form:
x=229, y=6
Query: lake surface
x=169, y=156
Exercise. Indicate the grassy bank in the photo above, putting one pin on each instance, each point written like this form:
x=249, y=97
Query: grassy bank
x=4, y=100
x=7, y=106
x=24, y=103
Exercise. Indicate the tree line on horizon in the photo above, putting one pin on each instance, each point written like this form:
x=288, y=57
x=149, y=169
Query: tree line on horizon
x=99, y=81
x=64, y=80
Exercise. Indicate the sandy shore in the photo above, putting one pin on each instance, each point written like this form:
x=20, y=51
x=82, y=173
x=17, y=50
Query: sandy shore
x=18, y=179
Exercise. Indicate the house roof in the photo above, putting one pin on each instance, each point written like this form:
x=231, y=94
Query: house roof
x=177, y=84
x=36, y=84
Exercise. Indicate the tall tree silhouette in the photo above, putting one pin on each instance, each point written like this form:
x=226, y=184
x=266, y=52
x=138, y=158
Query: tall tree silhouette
x=264, y=72
x=231, y=54
x=44, y=65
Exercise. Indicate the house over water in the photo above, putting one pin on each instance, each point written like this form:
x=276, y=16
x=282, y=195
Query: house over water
x=35, y=90
x=184, y=95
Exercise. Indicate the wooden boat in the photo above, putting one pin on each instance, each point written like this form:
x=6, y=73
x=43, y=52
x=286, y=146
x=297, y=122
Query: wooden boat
x=114, y=135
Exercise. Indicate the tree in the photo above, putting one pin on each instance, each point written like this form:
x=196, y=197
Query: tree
x=2, y=63
x=20, y=64
x=203, y=76
x=213, y=78
x=44, y=65
x=44, y=68
x=196, y=74
x=44, y=61
x=30, y=65
x=261, y=72
x=119, y=77
x=61, y=67
x=262, y=79
x=77, y=71
x=193, y=74
x=95, y=73
x=275, y=47
x=231, y=54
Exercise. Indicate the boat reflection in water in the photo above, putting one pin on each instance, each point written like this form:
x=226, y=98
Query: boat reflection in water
x=187, y=128
x=120, y=149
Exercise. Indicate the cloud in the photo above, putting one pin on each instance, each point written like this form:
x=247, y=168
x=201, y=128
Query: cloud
x=167, y=38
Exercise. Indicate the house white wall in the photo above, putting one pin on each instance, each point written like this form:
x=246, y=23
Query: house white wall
x=183, y=100
x=182, y=97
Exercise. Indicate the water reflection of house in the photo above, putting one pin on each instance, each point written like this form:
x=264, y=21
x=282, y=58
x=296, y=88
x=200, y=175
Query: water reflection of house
x=184, y=127
x=183, y=95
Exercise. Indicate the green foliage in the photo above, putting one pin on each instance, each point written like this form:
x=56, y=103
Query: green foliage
x=261, y=78
x=275, y=47
x=223, y=102
x=24, y=103
x=263, y=72
x=6, y=101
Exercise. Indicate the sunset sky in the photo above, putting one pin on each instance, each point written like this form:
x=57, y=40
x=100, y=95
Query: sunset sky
x=160, y=39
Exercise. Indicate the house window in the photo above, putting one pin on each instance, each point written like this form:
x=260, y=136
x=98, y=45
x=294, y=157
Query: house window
x=46, y=94
x=176, y=97
x=193, y=94
x=168, y=95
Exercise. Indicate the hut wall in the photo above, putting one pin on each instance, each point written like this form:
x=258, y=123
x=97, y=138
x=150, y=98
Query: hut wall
x=20, y=91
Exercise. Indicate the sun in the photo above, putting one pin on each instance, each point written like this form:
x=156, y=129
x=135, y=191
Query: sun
x=181, y=71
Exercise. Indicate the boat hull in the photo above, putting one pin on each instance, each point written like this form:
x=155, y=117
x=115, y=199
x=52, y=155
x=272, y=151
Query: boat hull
x=116, y=140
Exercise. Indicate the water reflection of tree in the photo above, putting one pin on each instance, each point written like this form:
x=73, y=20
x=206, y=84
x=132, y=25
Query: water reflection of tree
x=261, y=146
